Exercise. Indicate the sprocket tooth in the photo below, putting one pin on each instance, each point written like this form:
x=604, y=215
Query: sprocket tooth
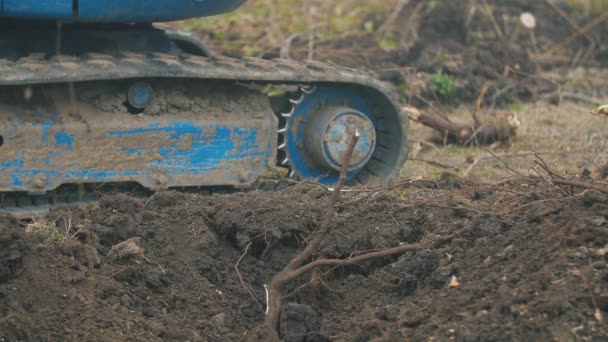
x=294, y=100
x=308, y=90
x=297, y=101
x=290, y=113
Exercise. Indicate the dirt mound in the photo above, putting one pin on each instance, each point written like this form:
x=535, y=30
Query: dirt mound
x=533, y=267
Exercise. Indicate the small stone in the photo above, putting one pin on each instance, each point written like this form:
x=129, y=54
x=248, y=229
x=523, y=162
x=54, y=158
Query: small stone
x=487, y=261
x=155, y=327
x=482, y=313
x=218, y=320
x=453, y=283
x=298, y=321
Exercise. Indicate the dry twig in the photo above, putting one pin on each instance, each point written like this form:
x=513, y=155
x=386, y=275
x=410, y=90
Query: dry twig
x=500, y=156
x=238, y=273
x=582, y=185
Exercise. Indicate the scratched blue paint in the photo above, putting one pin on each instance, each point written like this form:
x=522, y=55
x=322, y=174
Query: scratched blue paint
x=11, y=164
x=208, y=153
x=15, y=180
x=137, y=151
x=177, y=130
x=213, y=148
x=47, y=120
x=15, y=164
x=64, y=140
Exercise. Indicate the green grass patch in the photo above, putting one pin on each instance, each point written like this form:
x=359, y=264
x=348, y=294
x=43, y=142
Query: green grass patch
x=443, y=84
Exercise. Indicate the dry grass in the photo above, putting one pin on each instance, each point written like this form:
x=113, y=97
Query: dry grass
x=268, y=23
x=44, y=231
x=553, y=129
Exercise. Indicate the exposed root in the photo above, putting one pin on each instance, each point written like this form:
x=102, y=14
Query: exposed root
x=300, y=264
x=500, y=128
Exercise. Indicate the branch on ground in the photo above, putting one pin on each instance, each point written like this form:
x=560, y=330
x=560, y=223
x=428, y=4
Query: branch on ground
x=556, y=179
x=500, y=128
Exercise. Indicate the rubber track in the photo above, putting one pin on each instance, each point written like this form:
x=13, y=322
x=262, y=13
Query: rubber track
x=36, y=69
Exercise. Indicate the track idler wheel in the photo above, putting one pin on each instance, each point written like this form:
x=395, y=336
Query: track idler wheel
x=314, y=136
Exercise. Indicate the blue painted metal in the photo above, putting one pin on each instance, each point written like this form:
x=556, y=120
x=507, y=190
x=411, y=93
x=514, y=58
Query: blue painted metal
x=300, y=159
x=139, y=94
x=117, y=11
x=151, y=10
x=154, y=153
x=38, y=9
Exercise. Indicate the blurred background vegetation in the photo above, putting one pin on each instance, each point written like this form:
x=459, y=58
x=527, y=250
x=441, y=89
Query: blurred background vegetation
x=429, y=49
x=451, y=58
x=261, y=24
x=267, y=23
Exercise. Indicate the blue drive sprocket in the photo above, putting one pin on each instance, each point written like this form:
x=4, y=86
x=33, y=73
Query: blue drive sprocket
x=315, y=133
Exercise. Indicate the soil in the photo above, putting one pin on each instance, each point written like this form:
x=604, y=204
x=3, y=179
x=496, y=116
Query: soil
x=530, y=263
x=518, y=260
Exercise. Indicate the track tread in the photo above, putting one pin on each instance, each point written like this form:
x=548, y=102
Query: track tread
x=94, y=66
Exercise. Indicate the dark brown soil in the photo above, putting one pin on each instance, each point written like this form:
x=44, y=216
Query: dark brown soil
x=525, y=261
x=530, y=263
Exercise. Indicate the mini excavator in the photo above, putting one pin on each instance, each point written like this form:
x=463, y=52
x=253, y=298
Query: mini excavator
x=95, y=92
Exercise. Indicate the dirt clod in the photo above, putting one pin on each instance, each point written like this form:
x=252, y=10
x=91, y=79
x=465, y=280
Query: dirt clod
x=413, y=271
x=125, y=249
x=300, y=323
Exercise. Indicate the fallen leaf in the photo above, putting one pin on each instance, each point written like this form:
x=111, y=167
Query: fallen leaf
x=453, y=283
x=449, y=256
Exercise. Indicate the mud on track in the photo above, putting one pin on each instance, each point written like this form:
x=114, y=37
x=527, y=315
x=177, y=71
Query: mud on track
x=530, y=263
